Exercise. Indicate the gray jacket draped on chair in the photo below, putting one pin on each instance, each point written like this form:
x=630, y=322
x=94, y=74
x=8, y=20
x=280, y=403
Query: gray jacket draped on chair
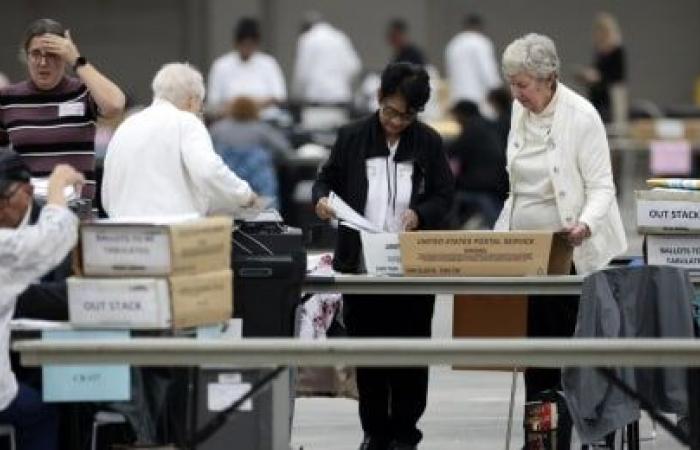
x=650, y=301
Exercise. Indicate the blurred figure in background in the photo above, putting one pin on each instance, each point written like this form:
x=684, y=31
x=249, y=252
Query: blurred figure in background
x=606, y=78
x=397, y=35
x=470, y=63
x=326, y=64
x=246, y=71
x=4, y=81
x=250, y=147
x=501, y=104
x=478, y=163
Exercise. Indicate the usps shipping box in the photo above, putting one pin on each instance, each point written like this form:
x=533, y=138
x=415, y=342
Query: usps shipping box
x=674, y=250
x=151, y=303
x=484, y=253
x=155, y=247
x=382, y=254
x=668, y=211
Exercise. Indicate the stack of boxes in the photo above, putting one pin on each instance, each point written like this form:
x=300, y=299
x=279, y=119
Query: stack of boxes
x=152, y=274
x=670, y=220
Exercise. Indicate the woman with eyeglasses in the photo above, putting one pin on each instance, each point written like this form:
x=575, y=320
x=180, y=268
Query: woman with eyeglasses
x=50, y=118
x=390, y=168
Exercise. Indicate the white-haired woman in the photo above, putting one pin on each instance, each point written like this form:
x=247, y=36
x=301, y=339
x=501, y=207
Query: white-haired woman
x=161, y=161
x=560, y=180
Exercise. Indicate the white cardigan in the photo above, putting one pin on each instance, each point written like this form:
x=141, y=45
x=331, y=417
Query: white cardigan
x=579, y=167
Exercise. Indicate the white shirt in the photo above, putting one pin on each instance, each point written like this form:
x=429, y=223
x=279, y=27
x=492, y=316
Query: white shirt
x=27, y=253
x=389, y=187
x=161, y=161
x=471, y=67
x=326, y=64
x=535, y=206
x=260, y=77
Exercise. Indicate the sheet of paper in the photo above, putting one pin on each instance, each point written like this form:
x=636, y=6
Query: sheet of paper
x=222, y=395
x=346, y=214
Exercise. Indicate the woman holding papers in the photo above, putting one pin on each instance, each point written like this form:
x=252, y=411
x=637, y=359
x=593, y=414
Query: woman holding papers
x=391, y=169
x=558, y=161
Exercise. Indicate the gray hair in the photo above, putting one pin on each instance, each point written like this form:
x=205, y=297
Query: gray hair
x=177, y=83
x=534, y=54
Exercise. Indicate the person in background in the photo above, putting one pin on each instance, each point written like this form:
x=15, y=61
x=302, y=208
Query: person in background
x=50, y=117
x=28, y=252
x=470, y=63
x=479, y=165
x=390, y=168
x=558, y=160
x=251, y=147
x=397, y=35
x=606, y=78
x=501, y=103
x=245, y=71
x=161, y=160
x=326, y=64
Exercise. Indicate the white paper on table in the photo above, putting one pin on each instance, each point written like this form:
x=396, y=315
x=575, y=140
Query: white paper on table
x=346, y=214
x=222, y=395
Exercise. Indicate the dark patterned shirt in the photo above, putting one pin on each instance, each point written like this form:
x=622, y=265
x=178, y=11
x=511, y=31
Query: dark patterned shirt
x=50, y=127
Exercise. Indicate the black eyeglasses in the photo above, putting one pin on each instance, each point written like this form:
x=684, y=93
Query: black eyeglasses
x=392, y=113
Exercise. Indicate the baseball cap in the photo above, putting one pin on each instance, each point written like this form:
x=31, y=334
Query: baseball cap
x=12, y=169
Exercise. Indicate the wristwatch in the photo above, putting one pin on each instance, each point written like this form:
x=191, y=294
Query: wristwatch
x=80, y=61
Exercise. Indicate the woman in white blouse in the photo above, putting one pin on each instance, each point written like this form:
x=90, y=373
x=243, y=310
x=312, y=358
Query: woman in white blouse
x=558, y=160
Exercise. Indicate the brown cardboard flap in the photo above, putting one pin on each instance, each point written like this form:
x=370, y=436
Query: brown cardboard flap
x=201, y=299
x=489, y=316
x=560, y=256
x=201, y=246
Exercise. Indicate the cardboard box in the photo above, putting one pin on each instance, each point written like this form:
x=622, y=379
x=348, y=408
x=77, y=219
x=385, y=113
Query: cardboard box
x=86, y=383
x=648, y=129
x=151, y=303
x=137, y=248
x=674, y=250
x=668, y=211
x=382, y=254
x=484, y=253
x=489, y=316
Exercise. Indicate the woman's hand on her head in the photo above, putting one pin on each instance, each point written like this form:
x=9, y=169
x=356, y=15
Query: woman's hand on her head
x=324, y=210
x=577, y=233
x=62, y=46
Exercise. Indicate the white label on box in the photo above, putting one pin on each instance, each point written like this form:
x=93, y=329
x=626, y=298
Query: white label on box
x=382, y=253
x=131, y=303
x=681, y=251
x=668, y=214
x=127, y=248
x=222, y=395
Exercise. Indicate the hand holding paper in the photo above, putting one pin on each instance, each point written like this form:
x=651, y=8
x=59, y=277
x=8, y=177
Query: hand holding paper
x=347, y=214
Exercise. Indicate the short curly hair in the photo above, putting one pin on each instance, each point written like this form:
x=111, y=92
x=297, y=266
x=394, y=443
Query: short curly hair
x=409, y=80
x=534, y=54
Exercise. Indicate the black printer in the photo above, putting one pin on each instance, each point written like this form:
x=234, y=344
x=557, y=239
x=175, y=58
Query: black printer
x=269, y=265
